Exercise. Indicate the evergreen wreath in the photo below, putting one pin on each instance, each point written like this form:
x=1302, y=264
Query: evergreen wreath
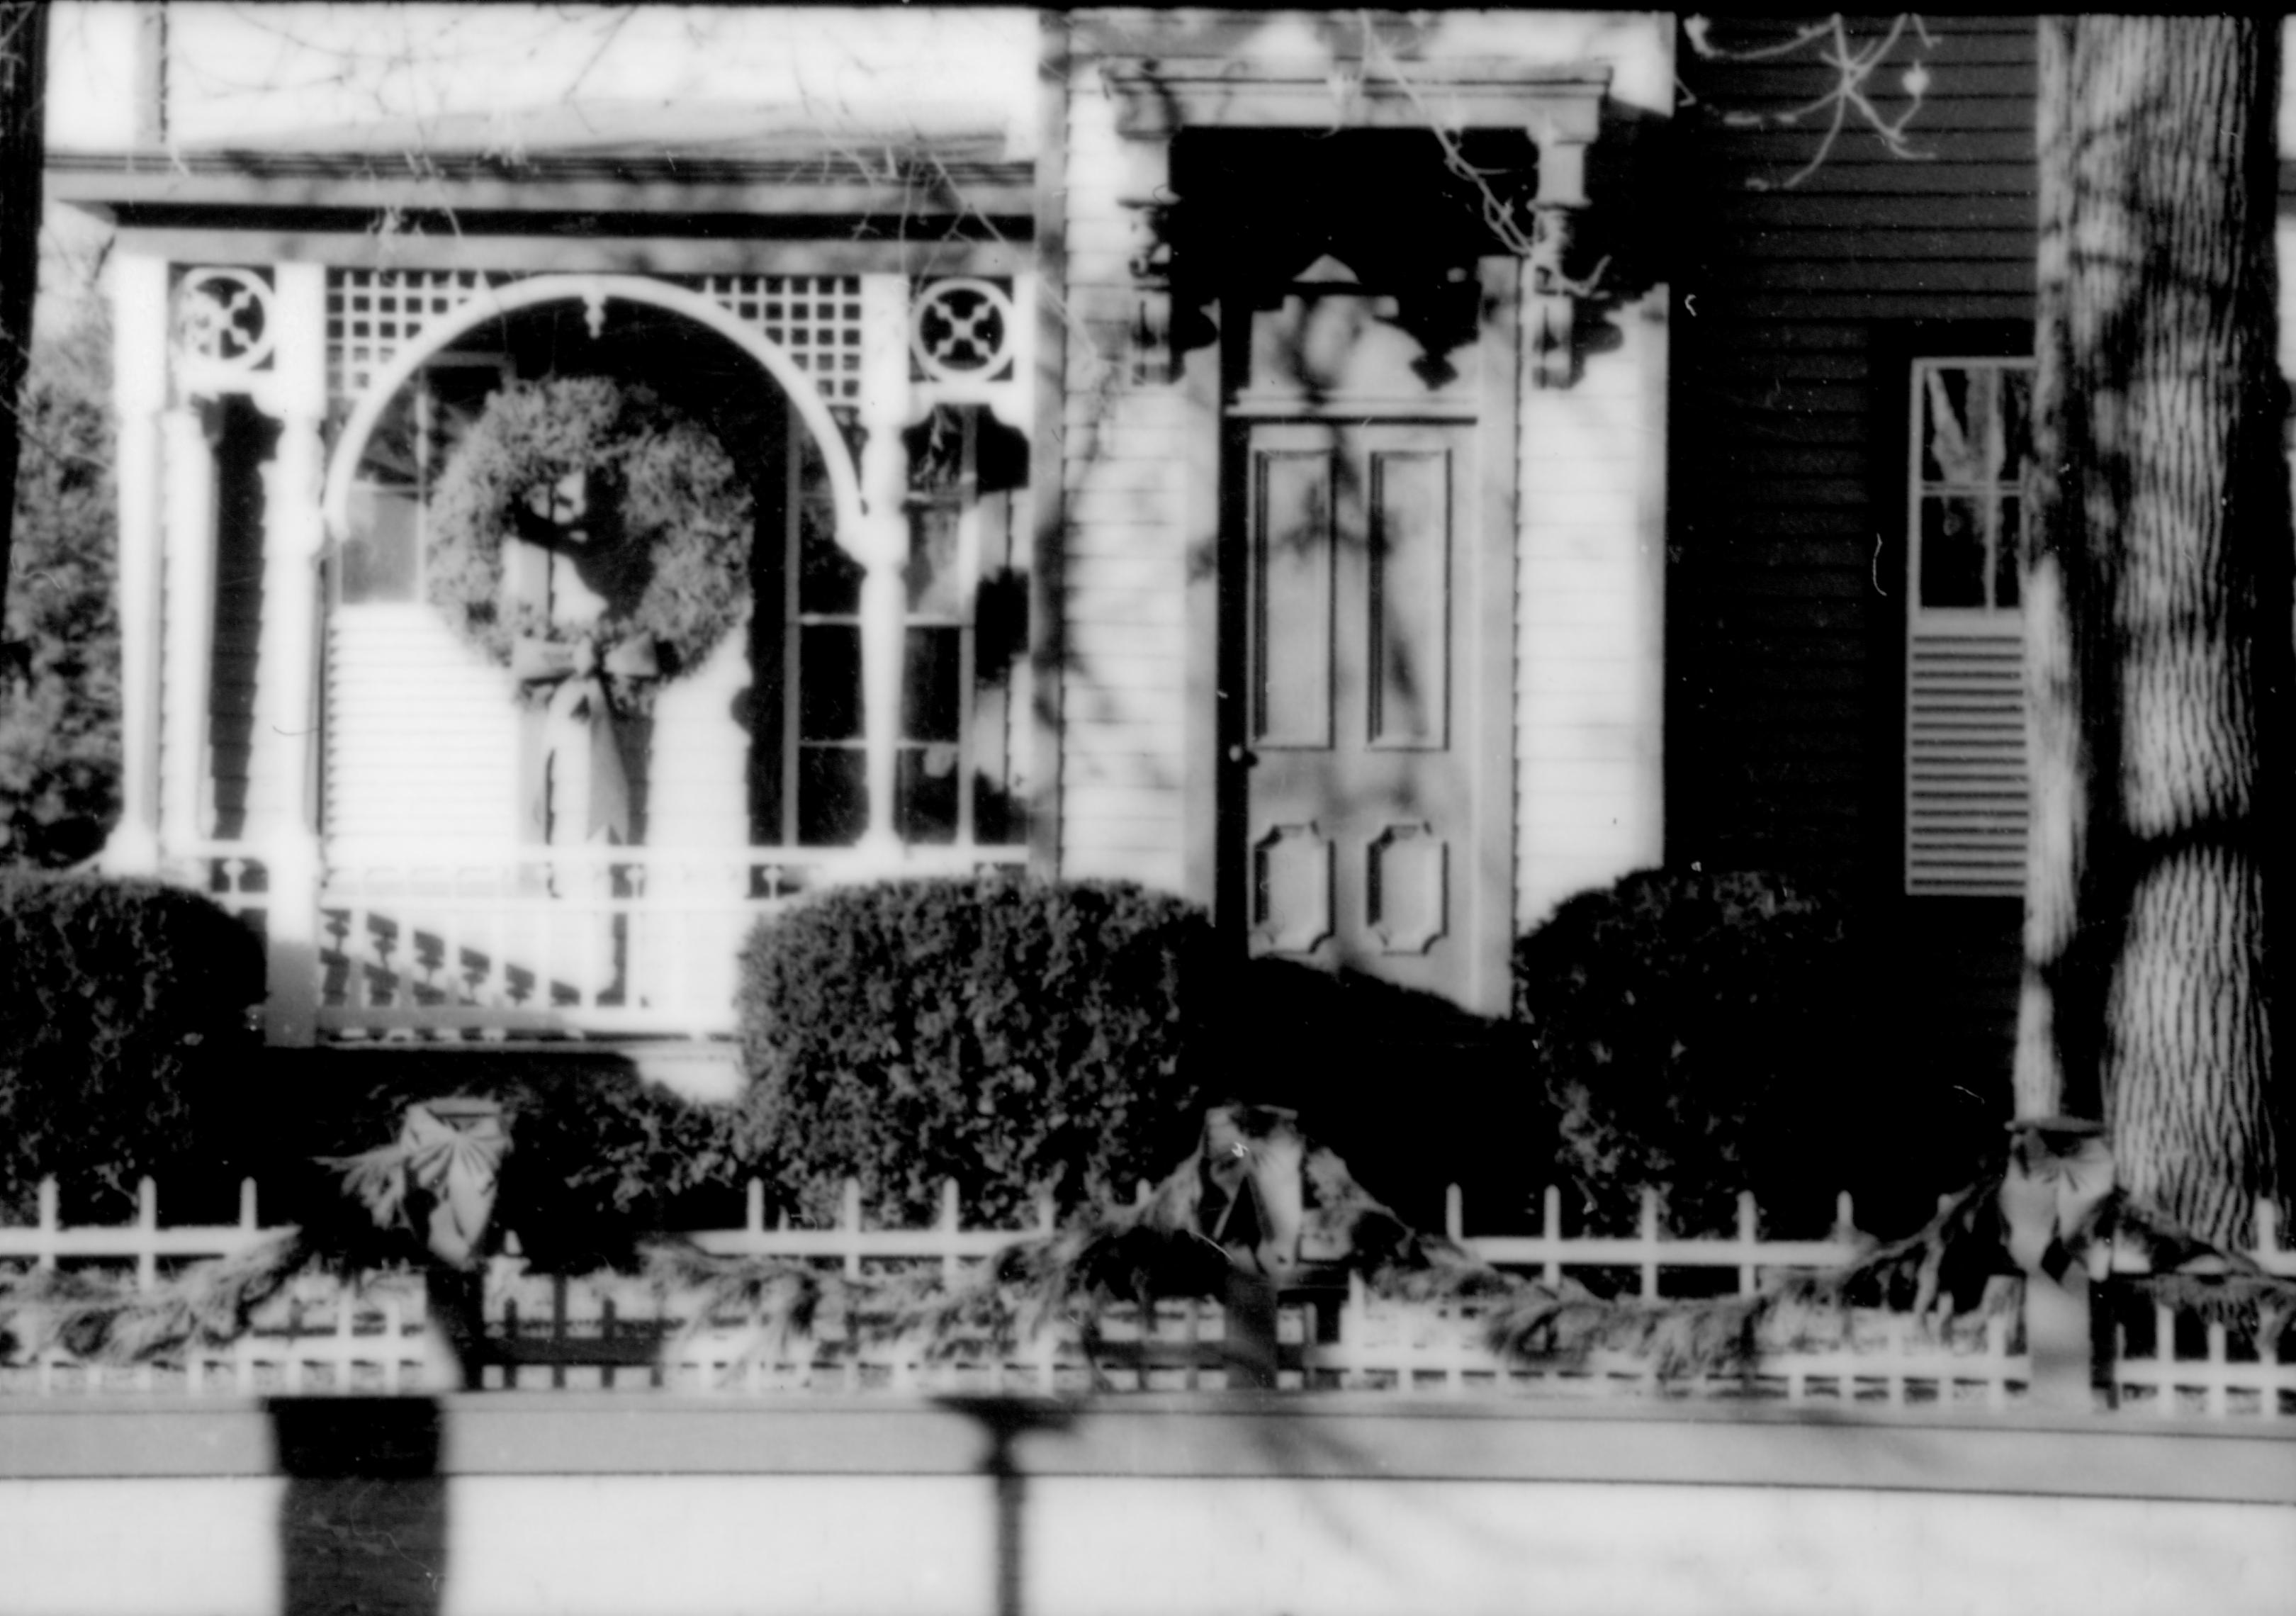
x=664, y=535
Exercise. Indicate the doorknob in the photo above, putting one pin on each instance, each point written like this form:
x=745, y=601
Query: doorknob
x=1243, y=755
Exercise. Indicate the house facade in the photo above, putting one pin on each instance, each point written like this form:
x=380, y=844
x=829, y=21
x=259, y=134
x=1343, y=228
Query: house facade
x=1181, y=483
x=1376, y=479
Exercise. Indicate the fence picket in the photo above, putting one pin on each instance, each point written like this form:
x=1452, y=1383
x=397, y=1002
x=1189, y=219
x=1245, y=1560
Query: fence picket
x=849, y=1224
x=147, y=1227
x=1647, y=1231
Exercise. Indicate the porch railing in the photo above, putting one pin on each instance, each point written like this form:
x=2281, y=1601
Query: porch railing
x=414, y=940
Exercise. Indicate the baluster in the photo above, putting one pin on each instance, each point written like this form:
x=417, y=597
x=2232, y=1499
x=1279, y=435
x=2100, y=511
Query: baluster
x=753, y=1371
x=1749, y=1229
x=1649, y=1240
x=1355, y=1332
x=147, y=1234
x=558, y=1332
x=596, y=916
x=947, y=1231
x=2164, y=1361
x=494, y=987
x=294, y=1367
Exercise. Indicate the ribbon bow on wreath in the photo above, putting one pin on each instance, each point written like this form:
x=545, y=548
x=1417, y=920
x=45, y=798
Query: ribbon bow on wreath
x=584, y=773
x=666, y=545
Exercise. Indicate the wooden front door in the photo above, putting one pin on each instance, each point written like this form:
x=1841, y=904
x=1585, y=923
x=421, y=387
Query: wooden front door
x=1360, y=822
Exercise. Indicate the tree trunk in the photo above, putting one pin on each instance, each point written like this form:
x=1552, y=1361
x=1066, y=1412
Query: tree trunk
x=2159, y=638
x=23, y=78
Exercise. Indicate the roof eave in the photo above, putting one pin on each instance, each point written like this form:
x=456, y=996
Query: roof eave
x=113, y=184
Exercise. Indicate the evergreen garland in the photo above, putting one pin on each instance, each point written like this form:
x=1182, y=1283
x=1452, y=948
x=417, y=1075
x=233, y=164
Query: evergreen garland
x=666, y=536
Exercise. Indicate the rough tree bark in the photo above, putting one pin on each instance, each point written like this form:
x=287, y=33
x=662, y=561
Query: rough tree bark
x=2158, y=612
x=23, y=78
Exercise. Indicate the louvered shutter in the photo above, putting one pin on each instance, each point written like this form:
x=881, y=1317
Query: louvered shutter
x=1965, y=781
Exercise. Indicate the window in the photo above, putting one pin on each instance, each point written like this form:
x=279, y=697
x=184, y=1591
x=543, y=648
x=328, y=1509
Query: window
x=963, y=647
x=1965, y=777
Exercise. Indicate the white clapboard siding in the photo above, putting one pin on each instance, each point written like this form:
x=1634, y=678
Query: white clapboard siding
x=423, y=733
x=1965, y=775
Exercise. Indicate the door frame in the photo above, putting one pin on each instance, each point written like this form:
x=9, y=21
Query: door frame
x=1213, y=464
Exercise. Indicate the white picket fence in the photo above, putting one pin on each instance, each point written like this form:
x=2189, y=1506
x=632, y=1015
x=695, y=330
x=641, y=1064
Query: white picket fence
x=621, y=1332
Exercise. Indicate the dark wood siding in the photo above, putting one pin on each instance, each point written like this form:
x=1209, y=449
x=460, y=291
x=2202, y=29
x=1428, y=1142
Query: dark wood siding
x=1797, y=309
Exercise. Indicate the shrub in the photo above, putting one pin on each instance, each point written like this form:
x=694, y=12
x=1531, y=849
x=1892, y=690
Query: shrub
x=1691, y=1033
x=60, y=696
x=124, y=1006
x=599, y=1156
x=1007, y=1034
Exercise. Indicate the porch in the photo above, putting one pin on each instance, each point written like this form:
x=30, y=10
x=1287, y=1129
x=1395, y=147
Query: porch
x=414, y=942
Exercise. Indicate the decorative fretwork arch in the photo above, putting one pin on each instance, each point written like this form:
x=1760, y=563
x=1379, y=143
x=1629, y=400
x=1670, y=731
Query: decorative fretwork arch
x=481, y=303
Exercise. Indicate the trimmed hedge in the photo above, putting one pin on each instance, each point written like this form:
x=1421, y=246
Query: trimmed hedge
x=1005, y=1033
x=124, y=1006
x=1696, y=1033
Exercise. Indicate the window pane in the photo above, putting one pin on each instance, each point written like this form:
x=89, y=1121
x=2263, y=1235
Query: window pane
x=833, y=795
x=829, y=682
x=1953, y=552
x=2016, y=421
x=2008, y=560
x=1948, y=437
x=378, y=554
x=999, y=818
x=924, y=804
x=996, y=815
x=936, y=586
x=929, y=681
x=828, y=580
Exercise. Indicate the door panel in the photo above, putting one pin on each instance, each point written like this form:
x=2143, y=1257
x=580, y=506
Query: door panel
x=1358, y=804
x=1291, y=578
x=1409, y=608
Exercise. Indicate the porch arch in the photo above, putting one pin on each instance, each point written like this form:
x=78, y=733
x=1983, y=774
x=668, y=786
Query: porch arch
x=493, y=302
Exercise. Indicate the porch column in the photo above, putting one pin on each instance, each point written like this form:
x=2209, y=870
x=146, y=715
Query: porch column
x=139, y=302
x=188, y=605
x=884, y=473
x=280, y=819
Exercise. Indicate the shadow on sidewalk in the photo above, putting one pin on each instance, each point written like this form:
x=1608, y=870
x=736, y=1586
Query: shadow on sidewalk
x=363, y=1522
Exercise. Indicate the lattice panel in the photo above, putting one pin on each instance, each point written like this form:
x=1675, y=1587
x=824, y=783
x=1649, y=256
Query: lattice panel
x=371, y=314
x=816, y=319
